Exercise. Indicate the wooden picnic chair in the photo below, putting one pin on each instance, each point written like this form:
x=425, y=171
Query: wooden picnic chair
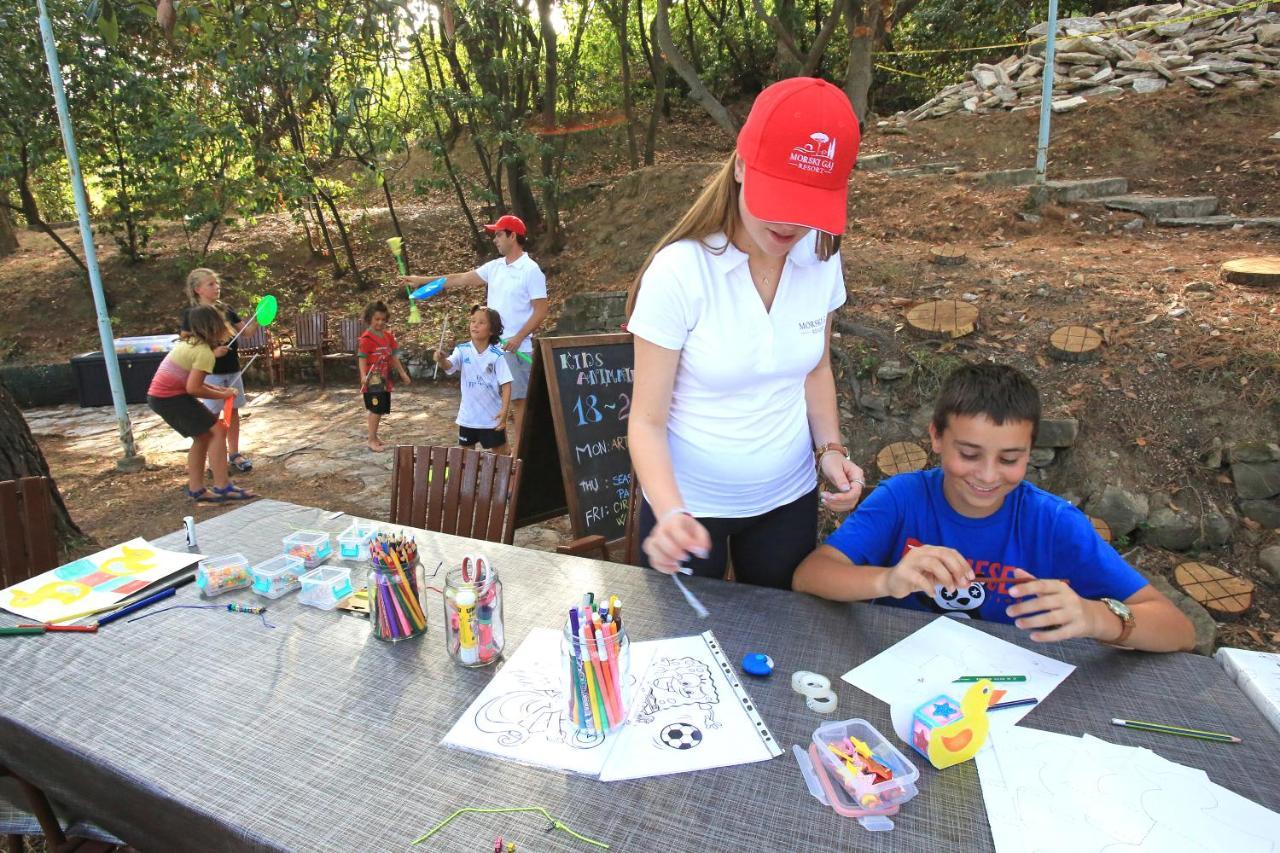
x=259, y=341
x=348, y=343
x=29, y=547
x=456, y=490
x=310, y=338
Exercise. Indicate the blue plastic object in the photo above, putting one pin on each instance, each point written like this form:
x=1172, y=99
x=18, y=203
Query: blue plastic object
x=755, y=663
x=429, y=289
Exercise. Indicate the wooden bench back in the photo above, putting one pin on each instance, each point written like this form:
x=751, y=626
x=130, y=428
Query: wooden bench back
x=349, y=332
x=312, y=329
x=28, y=544
x=455, y=490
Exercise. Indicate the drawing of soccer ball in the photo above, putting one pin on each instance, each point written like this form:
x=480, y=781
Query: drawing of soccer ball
x=681, y=736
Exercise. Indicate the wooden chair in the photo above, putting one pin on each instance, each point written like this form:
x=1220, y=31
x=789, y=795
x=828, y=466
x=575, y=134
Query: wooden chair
x=456, y=490
x=597, y=545
x=348, y=343
x=259, y=342
x=28, y=545
x=310, y=338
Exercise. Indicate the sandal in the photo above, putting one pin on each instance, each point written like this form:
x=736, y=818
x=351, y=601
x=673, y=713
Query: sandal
x=232, y=492
x=240, y=462
x=202, y=496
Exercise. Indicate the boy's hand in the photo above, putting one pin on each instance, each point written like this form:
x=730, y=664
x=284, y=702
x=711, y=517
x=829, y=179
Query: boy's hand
x=925, y=567
x=1055, y=606
x=502, y=420
x=846, y=478
x=440, y=356
x=676, y=536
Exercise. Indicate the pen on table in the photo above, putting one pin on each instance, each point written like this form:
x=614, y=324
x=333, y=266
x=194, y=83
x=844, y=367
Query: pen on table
x=1016, y=703
x=969, y=679
x=125, y=611
x=70, y=629
x=1161, y=728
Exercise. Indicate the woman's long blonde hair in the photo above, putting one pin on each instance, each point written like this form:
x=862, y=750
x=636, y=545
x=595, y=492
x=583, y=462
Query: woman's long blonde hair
x=716, y=211
x=195, y=278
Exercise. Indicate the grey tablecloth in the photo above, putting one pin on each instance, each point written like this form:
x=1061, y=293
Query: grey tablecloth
x=200, y=729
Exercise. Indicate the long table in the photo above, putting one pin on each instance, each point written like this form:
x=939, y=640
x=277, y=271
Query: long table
x=204, y=730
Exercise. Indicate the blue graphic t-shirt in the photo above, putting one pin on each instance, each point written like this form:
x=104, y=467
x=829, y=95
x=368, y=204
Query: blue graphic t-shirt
x=1040, y=533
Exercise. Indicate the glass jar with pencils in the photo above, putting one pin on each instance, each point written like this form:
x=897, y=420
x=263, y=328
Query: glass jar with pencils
x=595, y=663
x=397, y=589
x=473, y=613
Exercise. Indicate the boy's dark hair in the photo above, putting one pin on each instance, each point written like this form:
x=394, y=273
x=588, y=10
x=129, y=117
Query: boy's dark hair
x=208, y=324
x=495, y=322
x=1000, y=392
x=521, y=239
x=373, y=308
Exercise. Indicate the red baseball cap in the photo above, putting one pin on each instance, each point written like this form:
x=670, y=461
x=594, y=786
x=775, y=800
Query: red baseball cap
x=514, y=224
x=799, y=145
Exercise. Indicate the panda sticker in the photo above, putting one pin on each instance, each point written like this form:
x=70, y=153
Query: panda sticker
x=959, y=601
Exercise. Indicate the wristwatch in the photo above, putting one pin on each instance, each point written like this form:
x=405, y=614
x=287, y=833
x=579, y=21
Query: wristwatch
x=1125, y=613
x=827, y=448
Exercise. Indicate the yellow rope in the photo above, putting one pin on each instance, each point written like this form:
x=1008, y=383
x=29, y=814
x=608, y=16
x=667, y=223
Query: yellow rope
x=900, y=71
x=1146, y=25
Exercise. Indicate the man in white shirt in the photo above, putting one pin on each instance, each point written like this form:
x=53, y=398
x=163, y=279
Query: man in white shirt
x=517, y=289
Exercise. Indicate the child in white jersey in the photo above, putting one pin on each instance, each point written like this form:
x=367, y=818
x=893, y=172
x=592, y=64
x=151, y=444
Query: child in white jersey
x=486, y=382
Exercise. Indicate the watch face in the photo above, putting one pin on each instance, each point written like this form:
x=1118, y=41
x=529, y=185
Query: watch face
x=1119, y=608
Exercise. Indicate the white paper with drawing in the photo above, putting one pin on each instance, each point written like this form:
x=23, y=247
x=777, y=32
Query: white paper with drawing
x=926, y=663
x=687, y=712
x=1047, y=792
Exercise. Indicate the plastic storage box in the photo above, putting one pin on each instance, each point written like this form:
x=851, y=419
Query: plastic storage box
x=136, y=372
x=325, y=587
x=146, y=343
x=353, y=543
x=312, y=547
x=217, y=575
x=278, y=576
x=830, y=783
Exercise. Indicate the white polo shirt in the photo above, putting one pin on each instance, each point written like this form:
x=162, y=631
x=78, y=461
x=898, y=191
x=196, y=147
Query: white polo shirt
x=738, y=425
x=483, y=375
x=512, y=289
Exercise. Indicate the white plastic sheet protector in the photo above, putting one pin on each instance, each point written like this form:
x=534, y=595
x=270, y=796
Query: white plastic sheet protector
x=1258, y=674
x=686, y=711
x=926, y=664
x=1047, y=792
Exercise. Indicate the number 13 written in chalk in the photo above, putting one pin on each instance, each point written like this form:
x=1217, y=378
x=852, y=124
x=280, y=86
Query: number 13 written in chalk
x=588, y=408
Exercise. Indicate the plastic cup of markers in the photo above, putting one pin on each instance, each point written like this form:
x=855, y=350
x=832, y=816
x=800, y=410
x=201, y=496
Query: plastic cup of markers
x=473, y=632
x=594, y=671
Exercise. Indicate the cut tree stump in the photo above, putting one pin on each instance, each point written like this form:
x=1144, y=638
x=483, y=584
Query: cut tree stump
x=1218, y=591
x=900, y=458
x=1075, y=343
x=1103, y=529
x=943, y=318
x=1262, y=271
x=947, y=256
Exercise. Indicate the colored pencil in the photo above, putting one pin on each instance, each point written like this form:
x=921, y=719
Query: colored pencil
x=1200, y=734
x=21, y=632
x=70, y=629
x=125, y=611
x=966, y=679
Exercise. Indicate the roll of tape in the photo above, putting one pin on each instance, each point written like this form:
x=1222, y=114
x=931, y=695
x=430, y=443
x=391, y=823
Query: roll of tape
x=823, y=703
x=810, y=683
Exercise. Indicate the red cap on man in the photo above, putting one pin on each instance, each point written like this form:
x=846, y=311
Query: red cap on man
x=799, y=145
x=514, y=224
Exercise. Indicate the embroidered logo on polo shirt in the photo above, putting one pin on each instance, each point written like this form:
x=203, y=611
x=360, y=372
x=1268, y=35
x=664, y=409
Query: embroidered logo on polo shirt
x=818, y=155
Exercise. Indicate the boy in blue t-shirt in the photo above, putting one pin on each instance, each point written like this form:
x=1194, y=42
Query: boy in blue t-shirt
x=971, y=537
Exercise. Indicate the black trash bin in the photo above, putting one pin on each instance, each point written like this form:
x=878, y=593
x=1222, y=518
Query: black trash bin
x=136, y=372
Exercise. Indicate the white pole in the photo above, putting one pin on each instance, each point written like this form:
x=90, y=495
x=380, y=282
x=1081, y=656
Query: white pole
x=1046, y=95
x=131, y=461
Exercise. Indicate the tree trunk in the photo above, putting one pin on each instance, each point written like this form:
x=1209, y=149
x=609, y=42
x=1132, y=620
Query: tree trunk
x=658, y=68
x=395, y=223
x=862, y=20
x=697, y=91
x=20, y=456
x=361, y=284
x=41, y=225
x=8, y=240
x=550, y=93
x=618, y=15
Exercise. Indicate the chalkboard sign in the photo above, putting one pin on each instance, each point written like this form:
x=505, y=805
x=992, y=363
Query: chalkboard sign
x=589, y=386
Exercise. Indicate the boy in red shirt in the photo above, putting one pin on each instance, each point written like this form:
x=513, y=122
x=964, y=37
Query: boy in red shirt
x=378, y=355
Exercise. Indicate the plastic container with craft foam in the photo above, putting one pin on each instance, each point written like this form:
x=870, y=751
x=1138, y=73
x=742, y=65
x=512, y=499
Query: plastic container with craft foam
x=277, y=576
x=821, y=768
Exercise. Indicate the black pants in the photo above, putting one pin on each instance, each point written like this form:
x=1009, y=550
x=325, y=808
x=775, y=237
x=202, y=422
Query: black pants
x=766, y=548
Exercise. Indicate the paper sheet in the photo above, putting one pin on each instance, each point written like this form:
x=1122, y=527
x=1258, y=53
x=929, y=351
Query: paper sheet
x=687, y=712
x=1047, y=792
x=93, y=582
x=926, y=663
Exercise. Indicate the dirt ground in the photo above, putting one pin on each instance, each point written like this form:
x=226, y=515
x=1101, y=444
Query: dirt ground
x=1188, y=358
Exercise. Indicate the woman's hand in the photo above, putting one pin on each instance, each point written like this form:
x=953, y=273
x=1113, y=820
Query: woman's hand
x=219, y=352
x=675, y=537
x=1055, y=606
x=846, y=480
x=413, y=280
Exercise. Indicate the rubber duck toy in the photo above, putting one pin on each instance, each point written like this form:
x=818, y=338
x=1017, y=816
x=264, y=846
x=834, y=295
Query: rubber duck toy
x=948, y=732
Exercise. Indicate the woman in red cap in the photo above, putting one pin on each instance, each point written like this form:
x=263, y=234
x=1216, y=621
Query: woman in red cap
x=734, y=400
